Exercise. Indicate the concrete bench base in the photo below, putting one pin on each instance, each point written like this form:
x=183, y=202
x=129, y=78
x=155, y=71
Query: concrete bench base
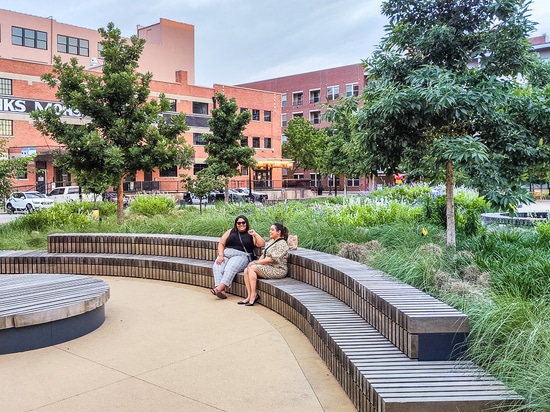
x=39, y=310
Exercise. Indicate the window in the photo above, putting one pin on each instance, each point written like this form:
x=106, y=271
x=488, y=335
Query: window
x=29, y=38
x=6, y=127
x=6, y=87
x=256, y=142
x=353, y=182
x=256, y=115
x=297, y=98
x=267, y=142
x=299, y=114
x=198, y=140
x=244, y=141
x=170, y=172
x=173, y=105
x=315, y=96
x=283, y=100
x=352, y=89
x=267, y=115
x=315, y=117
x=200, y=108
x=333, y=92
x=283, y=119
x=298, y=176
x=284, y=139
x=73, y=45
x=197, y=167
x=243, y=109
x=22, y=174
x=315, y=179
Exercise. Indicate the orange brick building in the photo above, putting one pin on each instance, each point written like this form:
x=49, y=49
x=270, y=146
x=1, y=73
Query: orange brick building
x=27, y=49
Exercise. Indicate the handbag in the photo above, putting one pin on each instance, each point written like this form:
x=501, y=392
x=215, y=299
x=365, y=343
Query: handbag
x=292, y=242
x=251, y=255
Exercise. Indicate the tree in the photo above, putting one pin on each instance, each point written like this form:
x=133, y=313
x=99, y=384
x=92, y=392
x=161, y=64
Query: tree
x=424, y=92
x=340, y=155
x=9, y=169
x=204, y=183
x=125, y=130
x=223, y=145
x=304, y=144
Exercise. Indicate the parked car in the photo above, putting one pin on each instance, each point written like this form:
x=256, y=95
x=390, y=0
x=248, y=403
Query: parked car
x=71, y=194
x=216, y=196
x=235, y=196
x=256, y=196
x=27, y=201
x=191, y=199
x=113, y=197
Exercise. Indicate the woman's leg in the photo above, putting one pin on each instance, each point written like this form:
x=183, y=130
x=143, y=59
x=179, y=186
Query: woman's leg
x=218, y=270
x=234, y=265
x=247, y=284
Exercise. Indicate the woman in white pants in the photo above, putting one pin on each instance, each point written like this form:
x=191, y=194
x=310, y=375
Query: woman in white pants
x=235, y=251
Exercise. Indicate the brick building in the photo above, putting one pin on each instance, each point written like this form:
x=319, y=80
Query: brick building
x=303, y=95
x=28, y=44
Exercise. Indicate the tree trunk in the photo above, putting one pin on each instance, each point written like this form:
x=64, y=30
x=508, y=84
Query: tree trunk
x=120, y=201
x=451, y=230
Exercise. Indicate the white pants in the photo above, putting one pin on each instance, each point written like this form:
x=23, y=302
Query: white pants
x=235, y=261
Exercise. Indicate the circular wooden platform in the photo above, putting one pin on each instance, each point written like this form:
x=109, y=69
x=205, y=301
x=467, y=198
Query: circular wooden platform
x=39, y=310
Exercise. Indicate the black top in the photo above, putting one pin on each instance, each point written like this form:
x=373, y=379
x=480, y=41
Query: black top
x=233, y=241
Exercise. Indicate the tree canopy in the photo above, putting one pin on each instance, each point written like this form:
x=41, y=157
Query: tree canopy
x=124, y=130
x=449, y=70
x=223, y=145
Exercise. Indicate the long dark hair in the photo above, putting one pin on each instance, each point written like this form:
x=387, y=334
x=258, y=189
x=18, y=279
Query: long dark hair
x=283, y=229
x=235, y=224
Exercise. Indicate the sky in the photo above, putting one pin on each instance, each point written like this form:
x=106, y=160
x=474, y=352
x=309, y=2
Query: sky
x=239, y=41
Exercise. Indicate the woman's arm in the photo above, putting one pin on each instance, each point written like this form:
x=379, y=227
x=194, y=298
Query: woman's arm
x=258, y=240
x=221, y=246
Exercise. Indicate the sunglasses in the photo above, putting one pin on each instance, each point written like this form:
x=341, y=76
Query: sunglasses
x=241, y=223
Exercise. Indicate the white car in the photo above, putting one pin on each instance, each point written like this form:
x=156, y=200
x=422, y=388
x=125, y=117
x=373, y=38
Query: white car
x=27, y=201
x=71, y=194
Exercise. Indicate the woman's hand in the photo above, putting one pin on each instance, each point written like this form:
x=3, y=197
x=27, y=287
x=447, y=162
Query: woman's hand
x=219, y=259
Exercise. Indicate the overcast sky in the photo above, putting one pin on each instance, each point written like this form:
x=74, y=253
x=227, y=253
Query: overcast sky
x=238, y=41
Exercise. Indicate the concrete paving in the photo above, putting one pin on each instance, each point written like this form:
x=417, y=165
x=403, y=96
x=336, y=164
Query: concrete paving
x=171, y=347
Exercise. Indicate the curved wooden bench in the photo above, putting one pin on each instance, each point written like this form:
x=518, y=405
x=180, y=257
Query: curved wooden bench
x=39, y=310
x=366, y=326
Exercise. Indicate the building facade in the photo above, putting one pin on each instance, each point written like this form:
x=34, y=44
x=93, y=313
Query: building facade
x=303, y=95
x=27, y=47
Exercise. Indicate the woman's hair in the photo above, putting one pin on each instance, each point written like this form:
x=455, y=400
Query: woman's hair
x=283, y=229
x=243, y=217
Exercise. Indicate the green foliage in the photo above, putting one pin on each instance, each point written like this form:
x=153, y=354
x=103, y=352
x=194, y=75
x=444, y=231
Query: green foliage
x=205, y=182
x=418, y=111
x=149, y=205
x=126, y=131
x=305, y=144
x=9, y=168
x=543, y=231
x=223, y=146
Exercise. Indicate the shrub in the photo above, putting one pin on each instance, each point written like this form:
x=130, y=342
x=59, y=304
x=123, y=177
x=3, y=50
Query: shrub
x=152, y=205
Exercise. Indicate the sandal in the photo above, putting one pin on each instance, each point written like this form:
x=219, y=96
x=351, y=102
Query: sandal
x=221, y=295
x=214, y=291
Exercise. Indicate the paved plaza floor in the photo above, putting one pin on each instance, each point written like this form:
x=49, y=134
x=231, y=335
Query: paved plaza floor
x=172, y=347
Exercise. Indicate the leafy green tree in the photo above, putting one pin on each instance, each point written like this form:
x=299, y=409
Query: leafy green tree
x=125, y=131
x=204, y=183
x=9, y=169
x=304, y=144
x=223, y=145
x=341, y=155
x=459, y=70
